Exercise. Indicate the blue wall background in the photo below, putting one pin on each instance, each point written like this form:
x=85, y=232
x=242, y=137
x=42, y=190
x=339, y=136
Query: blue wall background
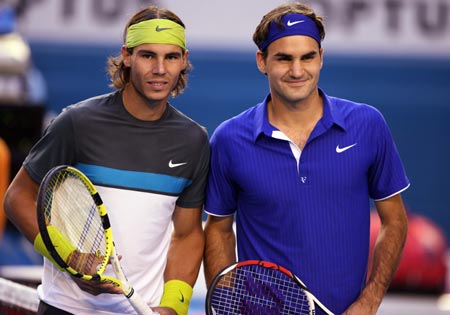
x=413, y=93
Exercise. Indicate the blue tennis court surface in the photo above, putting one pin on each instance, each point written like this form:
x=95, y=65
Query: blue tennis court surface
x=197, y=307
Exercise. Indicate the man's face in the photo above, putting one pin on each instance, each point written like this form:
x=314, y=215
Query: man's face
x=292, y=65
x=155, y=69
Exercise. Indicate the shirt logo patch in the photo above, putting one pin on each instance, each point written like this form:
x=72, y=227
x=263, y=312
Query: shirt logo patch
x=172, y=165
x=340, y=150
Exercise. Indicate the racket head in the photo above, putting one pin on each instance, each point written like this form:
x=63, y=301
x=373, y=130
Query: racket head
x=69, y=202
x=257, y=287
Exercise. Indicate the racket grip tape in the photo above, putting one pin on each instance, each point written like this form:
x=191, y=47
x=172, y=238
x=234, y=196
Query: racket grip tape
x=177, y=295
x=63, y=246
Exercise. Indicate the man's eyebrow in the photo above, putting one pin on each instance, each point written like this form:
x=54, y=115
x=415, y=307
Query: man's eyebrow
x=281, y=54
x=175, y=53
x=149, y=51
x=312, y=53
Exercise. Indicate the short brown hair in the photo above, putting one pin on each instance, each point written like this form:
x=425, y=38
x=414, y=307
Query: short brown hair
x=262, y=30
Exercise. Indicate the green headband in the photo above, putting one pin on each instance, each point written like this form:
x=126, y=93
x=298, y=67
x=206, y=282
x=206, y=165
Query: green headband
x=156, y=31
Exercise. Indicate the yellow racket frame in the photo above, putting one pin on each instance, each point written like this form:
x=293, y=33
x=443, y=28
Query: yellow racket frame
x=101, y=209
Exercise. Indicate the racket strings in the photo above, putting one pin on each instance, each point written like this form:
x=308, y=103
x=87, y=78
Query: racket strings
x=71, y=209
x=257, y=290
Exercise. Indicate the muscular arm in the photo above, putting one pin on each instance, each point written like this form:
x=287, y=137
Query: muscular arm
x=20, y=204
x=20, y=208
x=387, y=253
x=220, y=245
x=185, y=251
x=186, y=247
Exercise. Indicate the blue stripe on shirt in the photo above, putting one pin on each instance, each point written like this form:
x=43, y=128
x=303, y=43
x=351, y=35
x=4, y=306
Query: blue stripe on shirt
x=143, y=181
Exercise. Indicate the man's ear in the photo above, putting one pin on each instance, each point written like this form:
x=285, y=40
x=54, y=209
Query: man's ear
x=321, y=57
x=261, y=62
x=185, y=58
x=126, y=57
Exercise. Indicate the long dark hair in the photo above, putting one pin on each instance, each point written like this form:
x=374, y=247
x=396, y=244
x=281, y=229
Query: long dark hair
x=120, y=74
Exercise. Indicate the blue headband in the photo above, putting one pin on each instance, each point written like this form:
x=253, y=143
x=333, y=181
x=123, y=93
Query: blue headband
x=293, y=24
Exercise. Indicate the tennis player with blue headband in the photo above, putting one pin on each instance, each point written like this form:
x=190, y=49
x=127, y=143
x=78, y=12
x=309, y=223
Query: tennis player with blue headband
x=290, y=25
x=298, y=171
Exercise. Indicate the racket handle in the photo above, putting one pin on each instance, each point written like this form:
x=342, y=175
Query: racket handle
x=139, y=305
x=133, y=297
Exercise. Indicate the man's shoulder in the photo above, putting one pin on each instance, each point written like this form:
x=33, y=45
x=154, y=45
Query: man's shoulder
x=95, y=100
x=243, y=119
x=186, y=124
x=354, y=108
x=237, y=129
x=181, y=117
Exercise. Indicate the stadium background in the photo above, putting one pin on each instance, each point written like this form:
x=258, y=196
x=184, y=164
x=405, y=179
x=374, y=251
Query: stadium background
x=392, y=54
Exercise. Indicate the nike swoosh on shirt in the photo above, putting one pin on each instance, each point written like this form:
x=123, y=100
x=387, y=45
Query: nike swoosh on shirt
x=340, y=150
x=289, y=23
x=172, y=165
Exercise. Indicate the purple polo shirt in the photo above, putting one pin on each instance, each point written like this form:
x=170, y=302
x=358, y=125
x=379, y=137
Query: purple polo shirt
x=306, y=210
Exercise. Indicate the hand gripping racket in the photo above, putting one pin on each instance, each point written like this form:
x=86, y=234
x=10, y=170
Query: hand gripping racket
x=256, y=287
x=76, y=231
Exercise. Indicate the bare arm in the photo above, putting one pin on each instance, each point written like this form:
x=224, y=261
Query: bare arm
x=20, y=208
x=20, y=204
x=387, y=254
x=220, y=245
x=186, y=250
x=186, y=247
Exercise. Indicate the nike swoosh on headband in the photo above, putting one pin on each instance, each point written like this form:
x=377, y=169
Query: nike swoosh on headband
x=289, y=23
x=159, y=29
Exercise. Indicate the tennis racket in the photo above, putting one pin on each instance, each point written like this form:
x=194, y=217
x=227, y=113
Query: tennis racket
x=73, y=219
x=259, y=287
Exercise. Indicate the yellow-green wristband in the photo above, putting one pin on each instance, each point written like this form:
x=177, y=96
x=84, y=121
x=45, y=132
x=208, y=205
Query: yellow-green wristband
x=177, y=295
x=64, y=247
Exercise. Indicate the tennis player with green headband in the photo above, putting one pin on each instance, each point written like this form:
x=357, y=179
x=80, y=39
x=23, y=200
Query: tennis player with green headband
x=128, y=144
x=156, y=31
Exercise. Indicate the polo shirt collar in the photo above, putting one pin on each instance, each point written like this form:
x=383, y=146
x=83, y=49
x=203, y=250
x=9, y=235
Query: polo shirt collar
x=331, y=115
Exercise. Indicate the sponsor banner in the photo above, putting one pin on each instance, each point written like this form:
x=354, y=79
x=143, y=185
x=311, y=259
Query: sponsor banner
x=352, y=26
